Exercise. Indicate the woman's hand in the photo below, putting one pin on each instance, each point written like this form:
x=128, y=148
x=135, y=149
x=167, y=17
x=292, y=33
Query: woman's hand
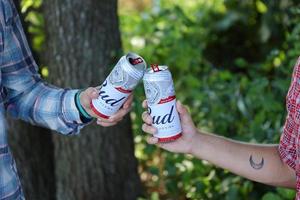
x=184, y=143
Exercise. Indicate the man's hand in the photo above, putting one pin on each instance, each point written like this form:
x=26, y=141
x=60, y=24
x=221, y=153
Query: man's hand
x=181, y=145
x=92, y=93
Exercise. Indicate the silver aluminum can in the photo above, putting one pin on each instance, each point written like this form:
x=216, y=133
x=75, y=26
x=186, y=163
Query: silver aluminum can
x=118, y=85
x=161, y=99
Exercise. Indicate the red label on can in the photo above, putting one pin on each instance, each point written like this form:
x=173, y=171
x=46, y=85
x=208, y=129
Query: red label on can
x=166, y=100
x=123, y=90
x=170, y=139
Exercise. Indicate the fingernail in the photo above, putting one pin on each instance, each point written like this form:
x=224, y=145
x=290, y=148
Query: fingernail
x=179, y=102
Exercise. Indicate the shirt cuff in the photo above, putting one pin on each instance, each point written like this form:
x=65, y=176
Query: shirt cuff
x=69, y=109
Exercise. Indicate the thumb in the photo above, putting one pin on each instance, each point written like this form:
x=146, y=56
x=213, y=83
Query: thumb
x=184, y=114
x=91, y=93
x=88, y=95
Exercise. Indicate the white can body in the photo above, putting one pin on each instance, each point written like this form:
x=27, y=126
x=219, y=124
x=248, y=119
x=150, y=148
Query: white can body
x=118, y=85
x=109, y=101
x=160, y=93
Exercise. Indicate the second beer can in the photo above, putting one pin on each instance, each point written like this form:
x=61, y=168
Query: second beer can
x=118, y=85
x=161, y=99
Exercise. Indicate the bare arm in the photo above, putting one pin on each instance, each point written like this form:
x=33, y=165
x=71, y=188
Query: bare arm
x=257, y=162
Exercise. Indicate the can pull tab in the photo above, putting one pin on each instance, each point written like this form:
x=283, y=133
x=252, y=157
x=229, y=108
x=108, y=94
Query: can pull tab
x=155, y=67
x=135, y=61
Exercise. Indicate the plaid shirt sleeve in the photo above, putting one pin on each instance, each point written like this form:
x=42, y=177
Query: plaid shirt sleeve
x=28, y=96
x=288, y=140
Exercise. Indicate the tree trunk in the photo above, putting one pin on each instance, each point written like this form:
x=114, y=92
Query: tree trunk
x=34, y=152
x=83, y=39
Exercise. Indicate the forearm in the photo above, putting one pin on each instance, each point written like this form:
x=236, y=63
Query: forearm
x=46, y=106
x=259, y=163
x=28, y=97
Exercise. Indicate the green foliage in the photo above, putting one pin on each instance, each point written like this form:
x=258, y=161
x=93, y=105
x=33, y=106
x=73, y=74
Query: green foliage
x=281, y=194
x=232, y=63
x=35, y=21
x=271, y=196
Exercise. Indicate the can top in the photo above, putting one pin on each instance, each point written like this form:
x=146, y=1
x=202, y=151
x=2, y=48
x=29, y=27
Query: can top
x=134, y=65
x=160, y=72
x=157, y=68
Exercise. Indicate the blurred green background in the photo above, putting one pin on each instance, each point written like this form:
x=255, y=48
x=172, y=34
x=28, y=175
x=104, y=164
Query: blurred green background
x=232, y=63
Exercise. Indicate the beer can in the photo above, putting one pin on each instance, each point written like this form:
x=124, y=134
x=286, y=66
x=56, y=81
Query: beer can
x=161, y=99
x=118, y=85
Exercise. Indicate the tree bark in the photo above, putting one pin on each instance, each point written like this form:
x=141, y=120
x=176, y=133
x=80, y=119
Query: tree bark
x=33, y=150
x=83, y=40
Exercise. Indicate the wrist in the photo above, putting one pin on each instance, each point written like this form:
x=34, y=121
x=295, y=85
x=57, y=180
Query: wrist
x=84, y=116
x=194, y=143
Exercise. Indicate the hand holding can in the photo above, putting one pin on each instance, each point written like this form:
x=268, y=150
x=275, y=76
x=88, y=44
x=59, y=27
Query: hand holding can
x=119, y=85
x=161, y=99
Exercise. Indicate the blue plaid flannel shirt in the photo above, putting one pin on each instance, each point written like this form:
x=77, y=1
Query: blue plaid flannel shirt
x=24, y=95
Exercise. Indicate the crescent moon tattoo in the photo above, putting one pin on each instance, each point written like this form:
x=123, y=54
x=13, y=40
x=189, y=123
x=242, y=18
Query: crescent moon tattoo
x=256, y=166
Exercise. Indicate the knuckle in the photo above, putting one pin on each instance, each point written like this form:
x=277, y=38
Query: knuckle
x=153, y=130
x=149, y=119
x=144, y=127
x=144, y=116
x=149, y=140
x=144, y=104
x=113, y=124
x=101, y=124
x=111, y=119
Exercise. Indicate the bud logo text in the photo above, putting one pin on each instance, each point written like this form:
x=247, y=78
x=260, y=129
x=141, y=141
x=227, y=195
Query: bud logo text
x=106, y=98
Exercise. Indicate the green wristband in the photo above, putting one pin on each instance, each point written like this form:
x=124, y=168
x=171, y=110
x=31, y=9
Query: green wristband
x=80, y=108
